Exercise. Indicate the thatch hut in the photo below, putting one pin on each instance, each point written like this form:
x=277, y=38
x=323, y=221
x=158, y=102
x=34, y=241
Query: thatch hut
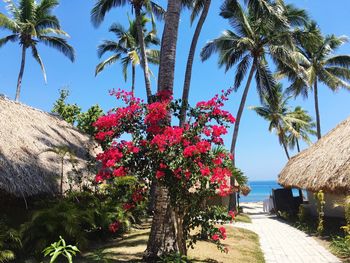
x=324, y=166
x=29, y=165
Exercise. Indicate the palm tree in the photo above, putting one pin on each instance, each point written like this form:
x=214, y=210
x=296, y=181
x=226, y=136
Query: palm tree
x=32, y=23
x=256, y=36
x=261, y=30
x=303, y=129
x=202, y=7
x=320, y=65
x=127, y=48
x=103, y=6
x=163, y=239
x=275, y=110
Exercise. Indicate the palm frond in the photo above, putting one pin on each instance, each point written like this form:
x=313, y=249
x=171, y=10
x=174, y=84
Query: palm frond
x=112, y=59
x=60, y=44
x=101, y=8
x=242, y=70
x=339, y=60
x=6, y=39
x=37, y=57
x=8, y=23
x=110, y=46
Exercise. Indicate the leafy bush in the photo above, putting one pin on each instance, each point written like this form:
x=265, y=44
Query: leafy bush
x=9, y=242
x=62, y=218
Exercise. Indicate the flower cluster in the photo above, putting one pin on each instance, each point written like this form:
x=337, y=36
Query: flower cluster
x=186, y=160
x=114, y=227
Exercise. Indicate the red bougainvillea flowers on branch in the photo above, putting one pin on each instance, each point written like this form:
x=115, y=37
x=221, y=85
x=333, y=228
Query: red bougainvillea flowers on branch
x=190, y=161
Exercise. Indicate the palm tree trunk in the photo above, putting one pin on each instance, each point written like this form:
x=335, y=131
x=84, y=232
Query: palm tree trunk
x=318, y=122
x=285, y=149
x=188, y=74
x=163, y=236
x=62, y=174
x=133, y=73
x=233, y=201
x=21, y=71
x=298, y=147
x=144, y=61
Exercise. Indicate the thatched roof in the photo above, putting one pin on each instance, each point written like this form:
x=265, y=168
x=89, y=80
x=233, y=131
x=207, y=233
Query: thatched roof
x=27, y=166
x=323, y=166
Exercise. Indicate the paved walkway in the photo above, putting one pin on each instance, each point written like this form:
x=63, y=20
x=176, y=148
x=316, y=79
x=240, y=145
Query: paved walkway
x=282, y=243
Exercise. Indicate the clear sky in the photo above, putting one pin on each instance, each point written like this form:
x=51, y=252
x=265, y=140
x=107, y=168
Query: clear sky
x=258, y=153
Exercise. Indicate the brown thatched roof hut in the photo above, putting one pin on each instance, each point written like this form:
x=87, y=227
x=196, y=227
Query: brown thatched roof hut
x=324, y=166
x=28, y=167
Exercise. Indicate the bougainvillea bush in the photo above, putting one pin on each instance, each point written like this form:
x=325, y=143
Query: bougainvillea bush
x=139, y=140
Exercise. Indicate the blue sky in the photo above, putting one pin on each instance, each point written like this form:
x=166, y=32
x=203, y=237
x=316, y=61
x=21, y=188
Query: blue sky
x=258, y=153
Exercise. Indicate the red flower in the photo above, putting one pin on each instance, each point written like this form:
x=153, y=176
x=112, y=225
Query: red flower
x=114, y=227
x=205, y=171
x=232, y=215
x=223, y=232
x=160, y=174
x=128, y=206
x=215, y=237
x=120, y=171
x=190, y=151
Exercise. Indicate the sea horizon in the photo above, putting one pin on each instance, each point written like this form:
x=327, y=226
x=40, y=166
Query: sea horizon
x=260, y=190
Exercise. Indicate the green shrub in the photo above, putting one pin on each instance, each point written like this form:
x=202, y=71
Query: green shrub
x=61, y=218
x=9, y=242
x=341, y=246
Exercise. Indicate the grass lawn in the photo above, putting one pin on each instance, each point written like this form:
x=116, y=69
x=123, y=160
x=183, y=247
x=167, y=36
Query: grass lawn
x=243, y=246
x=243, y=218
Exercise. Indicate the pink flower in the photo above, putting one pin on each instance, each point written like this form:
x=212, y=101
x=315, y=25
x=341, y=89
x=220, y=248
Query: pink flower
x=215, y=237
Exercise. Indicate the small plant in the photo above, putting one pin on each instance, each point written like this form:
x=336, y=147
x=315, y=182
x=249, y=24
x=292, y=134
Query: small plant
x=319, y=196
x=59, y=249
x=99, y=255
x=9, y=240
x=302, y=214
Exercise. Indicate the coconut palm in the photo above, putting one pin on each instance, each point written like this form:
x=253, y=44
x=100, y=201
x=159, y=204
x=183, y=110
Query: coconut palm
x=162, y=239
x=276, y=111
x=100, y=10
x=320, y=65
x=198, y=7
x=256, y=36
x=127, y=48
x=31, y=23
x=304, y=130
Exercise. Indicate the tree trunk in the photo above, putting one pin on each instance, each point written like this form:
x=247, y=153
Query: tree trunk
x=298, y=147
x=233, y=201
x=21, y=71
x=163, y=236
x=188, y=74
x=168, y=46
x=133, y=73
x=318, y=122
x=144, y=61
x=285, y=149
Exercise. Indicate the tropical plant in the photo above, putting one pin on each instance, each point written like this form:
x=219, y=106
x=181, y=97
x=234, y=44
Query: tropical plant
x=320, y=65
x=127, y=48
x=304, y=129
x=261, y=30
x=60, y=217
x=275, y=110
x=258, y=33
x=62, y=152
x=197, y=7
x=86, y=119
x=68, y=112
x=10, y=240
x=60, y=249
x=163, y=240
x=100, y=10
x=31, y=23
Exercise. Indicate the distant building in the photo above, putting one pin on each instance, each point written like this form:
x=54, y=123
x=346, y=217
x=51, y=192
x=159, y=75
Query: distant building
x=324, y=166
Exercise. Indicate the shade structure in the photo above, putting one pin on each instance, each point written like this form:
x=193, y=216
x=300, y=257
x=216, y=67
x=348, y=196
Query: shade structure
x=323, y=166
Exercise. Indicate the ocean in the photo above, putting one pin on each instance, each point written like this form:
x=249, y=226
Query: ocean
x=260, y=190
